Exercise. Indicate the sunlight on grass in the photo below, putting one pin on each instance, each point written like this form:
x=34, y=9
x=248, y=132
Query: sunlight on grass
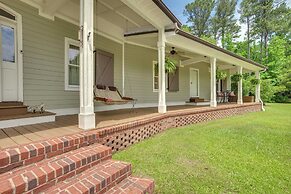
x=242, y=154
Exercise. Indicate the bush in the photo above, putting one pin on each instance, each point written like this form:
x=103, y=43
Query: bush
x=281, y=97
x=269, y=91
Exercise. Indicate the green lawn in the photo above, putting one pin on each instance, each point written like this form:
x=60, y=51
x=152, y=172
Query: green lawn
x=242, y=154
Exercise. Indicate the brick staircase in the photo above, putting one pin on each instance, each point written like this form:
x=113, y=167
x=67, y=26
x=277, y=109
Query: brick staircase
x=72, y=164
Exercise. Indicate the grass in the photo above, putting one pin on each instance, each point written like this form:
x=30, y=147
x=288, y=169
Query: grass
x=243, y=154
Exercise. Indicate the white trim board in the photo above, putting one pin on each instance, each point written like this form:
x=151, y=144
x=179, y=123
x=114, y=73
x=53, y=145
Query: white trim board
x=68, y=42
x=27, y=121
x=72, y=111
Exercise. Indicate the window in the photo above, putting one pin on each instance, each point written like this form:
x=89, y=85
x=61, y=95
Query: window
x=8, y=44
x=72, y=64
x=172, y=79
x=156, y=77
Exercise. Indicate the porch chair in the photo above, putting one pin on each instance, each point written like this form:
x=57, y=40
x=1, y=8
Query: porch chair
x=219, y=96
x=111, y=96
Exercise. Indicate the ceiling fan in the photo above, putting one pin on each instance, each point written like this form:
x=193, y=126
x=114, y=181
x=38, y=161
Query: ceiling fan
x=173, y=51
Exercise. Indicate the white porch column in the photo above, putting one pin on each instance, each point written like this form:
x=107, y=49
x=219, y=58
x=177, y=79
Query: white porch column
x=123, y=66
x=258, y=87
x=228, y=81
x=213, y=102
x=87, y=115
x=162, y=72
x=239, y=87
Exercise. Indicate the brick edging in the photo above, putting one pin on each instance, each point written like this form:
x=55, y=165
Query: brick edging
x=121, y=139
x=105, y=131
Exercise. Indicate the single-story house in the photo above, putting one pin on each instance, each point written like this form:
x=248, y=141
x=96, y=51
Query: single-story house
x=82, y=60
x=55, y=51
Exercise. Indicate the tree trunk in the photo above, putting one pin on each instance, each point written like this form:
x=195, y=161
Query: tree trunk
x=261, y=48
x=266, y=45
x=248, y=37
x=222, y=38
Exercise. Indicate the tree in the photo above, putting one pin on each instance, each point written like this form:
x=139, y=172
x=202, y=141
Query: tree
x=186, y=28
x=225, y=19
x=247, y=14
x=198, y=13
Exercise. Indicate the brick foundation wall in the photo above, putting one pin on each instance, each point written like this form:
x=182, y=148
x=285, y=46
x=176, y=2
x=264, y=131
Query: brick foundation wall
x=120, y=139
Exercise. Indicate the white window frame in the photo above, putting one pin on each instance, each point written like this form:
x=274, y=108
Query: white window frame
x=68, y=42
x=153, y=76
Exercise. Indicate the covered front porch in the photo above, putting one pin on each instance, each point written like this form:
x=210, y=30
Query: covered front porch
x=68, y=125
x=124, y=39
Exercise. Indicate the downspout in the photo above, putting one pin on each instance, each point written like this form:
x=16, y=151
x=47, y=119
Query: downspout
x=262, y=103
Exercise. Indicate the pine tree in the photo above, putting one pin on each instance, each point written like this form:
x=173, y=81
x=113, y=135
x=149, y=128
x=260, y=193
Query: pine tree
x=198, y=13
x=225, y=19
x=247, y=14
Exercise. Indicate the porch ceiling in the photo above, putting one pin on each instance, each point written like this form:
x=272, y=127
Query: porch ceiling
x=112, y=12
x=150, y=41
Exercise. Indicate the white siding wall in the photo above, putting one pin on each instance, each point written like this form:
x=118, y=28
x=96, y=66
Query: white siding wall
x=139, y=80
x=43, y=57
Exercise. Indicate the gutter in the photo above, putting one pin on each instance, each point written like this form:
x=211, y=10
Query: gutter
x=168, y=12
x=149, y=32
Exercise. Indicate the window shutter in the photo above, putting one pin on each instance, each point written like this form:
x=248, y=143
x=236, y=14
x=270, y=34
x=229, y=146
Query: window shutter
x=174, y=81
x=104, y=68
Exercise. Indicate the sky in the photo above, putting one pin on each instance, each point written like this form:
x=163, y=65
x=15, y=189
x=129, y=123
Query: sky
x=177, y=7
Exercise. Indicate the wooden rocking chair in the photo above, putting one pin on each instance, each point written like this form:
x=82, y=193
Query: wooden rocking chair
x=111, y=96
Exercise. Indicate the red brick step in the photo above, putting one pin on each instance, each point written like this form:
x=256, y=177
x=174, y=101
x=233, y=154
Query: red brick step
x=23, y=155
x=133, y=185
x=97, y=179
x=46, y=173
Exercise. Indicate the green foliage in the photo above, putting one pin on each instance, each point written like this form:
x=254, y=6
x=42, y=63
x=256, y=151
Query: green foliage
x=198, y=13
x=268, y=39
x=225, y=20
x=170, y=65
x=269, y=90
x=209, y=39
x=220, y=75
x=255, y=81
x=186, y=28
x=236, y=77
x=248, y=87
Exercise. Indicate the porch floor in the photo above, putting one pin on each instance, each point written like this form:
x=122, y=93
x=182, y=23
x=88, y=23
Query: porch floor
x=65, y=125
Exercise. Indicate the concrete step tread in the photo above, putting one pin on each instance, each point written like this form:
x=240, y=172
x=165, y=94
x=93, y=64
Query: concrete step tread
x=97, y=179
x=55, y=169
x=133, y=185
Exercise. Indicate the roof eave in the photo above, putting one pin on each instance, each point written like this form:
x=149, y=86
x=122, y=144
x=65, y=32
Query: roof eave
x=199, y=40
